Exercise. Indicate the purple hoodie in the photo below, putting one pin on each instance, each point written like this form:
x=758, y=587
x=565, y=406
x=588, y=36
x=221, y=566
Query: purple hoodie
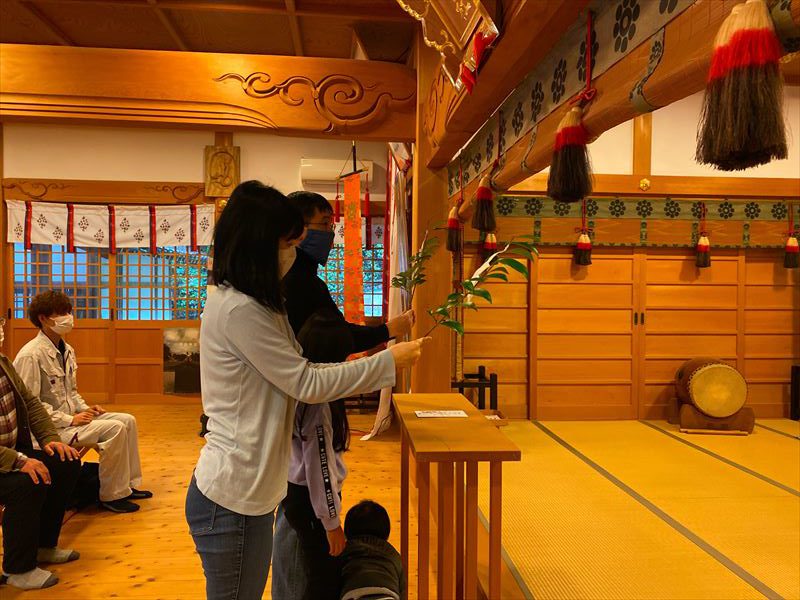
x=315, y=465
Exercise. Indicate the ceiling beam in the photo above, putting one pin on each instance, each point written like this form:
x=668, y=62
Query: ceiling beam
x=529, y=32
x=386, y=11
x=51, y=27
x=294, y=27
x=169, y=26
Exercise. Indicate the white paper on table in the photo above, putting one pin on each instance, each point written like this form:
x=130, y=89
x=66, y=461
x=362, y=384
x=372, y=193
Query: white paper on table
x=440, y=414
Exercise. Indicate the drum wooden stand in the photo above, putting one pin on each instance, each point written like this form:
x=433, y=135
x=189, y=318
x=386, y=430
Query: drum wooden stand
x=711, y=397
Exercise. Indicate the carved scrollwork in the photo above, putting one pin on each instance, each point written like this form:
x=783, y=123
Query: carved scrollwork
x=181, y=193
x=35, y=190
x=332, y=96
x=440, y=47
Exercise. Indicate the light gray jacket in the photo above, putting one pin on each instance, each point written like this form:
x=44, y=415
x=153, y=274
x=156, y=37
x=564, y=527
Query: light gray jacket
x=251, y=372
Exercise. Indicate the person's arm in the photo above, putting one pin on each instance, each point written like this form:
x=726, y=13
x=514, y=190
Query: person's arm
x=38, y=419
x=72, y=372
x=255, y=333
x=27, y=368
x=319, y=459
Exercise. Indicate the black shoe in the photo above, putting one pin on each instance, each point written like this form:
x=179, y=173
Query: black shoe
x=139, y=494
x=120, y=506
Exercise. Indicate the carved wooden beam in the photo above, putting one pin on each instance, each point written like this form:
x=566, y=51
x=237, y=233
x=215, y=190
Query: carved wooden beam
x=682, y=72
x=287, y=95
x=528, y=34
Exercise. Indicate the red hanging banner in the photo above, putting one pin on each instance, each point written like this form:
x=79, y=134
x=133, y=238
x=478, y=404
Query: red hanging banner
x=353, y=258
x=193, y=232
x=70, y=228
x=153, y=234
x=112, y=229
x=28, y=217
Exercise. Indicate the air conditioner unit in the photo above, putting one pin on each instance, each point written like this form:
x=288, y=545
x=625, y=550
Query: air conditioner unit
x=326, y=170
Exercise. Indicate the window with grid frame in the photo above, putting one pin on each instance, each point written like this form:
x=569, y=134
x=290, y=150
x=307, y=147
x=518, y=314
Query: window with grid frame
x=167, y=285
x=82, y=275
x=333, y=275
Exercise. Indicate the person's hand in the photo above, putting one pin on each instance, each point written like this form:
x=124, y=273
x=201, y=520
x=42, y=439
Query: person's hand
x=83, y=418
x=407, y=354
x=336, y=540
x=97, y=410
x=37, y=471
x=64, y=451
x=400, y=326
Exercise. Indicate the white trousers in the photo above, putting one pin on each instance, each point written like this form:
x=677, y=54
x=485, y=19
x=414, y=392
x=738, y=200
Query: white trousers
x=116, y=439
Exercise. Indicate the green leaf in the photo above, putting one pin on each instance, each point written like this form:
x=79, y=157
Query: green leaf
x=470, y=305
x=516, y=265
x=468, y=285
x=441, y=311
x=524, y=252
x=482, y=293
x=454, y=325
x=454, y=297
x=501, y=276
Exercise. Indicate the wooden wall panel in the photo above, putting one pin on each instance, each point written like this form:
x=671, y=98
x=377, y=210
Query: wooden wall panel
x=497, y=338
x=584, y=366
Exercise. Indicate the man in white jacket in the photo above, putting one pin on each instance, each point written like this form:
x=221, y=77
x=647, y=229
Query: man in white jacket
x=48, y=367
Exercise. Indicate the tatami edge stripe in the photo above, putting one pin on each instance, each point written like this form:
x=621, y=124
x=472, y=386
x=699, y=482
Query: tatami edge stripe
x=509, y=563
x=727, y=461
x=736, y=569
x=778, y=431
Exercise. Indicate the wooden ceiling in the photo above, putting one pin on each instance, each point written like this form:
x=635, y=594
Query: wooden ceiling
x=371, y=29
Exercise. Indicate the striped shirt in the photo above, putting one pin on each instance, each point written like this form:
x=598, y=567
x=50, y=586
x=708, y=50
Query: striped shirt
x=8, y=413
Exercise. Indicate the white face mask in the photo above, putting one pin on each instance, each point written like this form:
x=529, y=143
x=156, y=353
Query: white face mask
x=286, y=258
x=63, y=325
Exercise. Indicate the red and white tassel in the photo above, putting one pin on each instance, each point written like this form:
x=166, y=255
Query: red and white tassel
x=791, y=256
x=453, y=231
x=483, y=219
x=570, y=177
x=742, y=122
x=489, y=246
x=703, y=256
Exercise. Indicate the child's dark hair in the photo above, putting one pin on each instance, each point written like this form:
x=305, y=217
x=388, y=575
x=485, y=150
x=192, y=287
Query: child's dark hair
x=367, y=518
x=326, y=338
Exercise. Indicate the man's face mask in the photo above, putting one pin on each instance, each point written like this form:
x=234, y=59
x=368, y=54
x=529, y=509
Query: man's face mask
x=318, y=245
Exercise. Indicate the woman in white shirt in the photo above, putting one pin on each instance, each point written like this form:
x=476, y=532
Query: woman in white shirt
x=252, y=372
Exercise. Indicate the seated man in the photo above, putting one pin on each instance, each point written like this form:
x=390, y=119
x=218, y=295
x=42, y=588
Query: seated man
x=48, y=367
x=34, y=484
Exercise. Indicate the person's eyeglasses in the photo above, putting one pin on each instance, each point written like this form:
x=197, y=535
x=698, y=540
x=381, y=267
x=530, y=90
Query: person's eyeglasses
x=331, y=226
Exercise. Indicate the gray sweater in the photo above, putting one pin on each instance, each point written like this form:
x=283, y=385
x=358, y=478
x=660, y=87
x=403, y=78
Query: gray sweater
x=251, y=372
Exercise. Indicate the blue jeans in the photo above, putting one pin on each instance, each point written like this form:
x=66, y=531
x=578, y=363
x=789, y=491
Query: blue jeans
x=235, y=549
x=289, y=565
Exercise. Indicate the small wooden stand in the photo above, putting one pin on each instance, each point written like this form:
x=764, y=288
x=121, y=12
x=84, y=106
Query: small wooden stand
x=455, y=445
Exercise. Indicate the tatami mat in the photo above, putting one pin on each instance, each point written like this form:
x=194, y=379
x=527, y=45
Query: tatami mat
x=571, y=533
x=773, y=456
x=754, y=524
x=783, y=425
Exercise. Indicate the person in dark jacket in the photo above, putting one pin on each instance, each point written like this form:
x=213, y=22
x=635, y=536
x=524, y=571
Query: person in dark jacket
x=306, y=293
x=34, y=484
x=371, y=567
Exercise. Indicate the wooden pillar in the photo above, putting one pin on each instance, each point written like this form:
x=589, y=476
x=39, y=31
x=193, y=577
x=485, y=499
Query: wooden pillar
x=6, y=269
x=429, y=210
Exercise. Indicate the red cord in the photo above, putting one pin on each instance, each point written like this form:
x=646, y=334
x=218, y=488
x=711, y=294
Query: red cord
x=588, y=93
x=703, y=219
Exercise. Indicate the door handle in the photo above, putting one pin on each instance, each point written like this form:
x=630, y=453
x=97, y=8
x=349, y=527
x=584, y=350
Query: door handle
x=642, y=317
x=635, y=318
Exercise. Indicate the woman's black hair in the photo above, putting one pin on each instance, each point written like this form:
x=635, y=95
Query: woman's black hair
x=246, y=239
x=326, y=338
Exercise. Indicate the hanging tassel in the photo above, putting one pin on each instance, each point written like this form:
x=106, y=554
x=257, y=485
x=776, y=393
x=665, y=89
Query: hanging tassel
x=489, y=246
x=744, y=126
x=570, y=177
x=702, y=254
x=583, y=249
x=454, y=231
x=791, y=256
x=484, y=219
x=480, y=43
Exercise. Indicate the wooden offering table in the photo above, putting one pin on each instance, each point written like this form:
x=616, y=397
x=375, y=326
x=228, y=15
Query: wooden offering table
x=453, y=443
